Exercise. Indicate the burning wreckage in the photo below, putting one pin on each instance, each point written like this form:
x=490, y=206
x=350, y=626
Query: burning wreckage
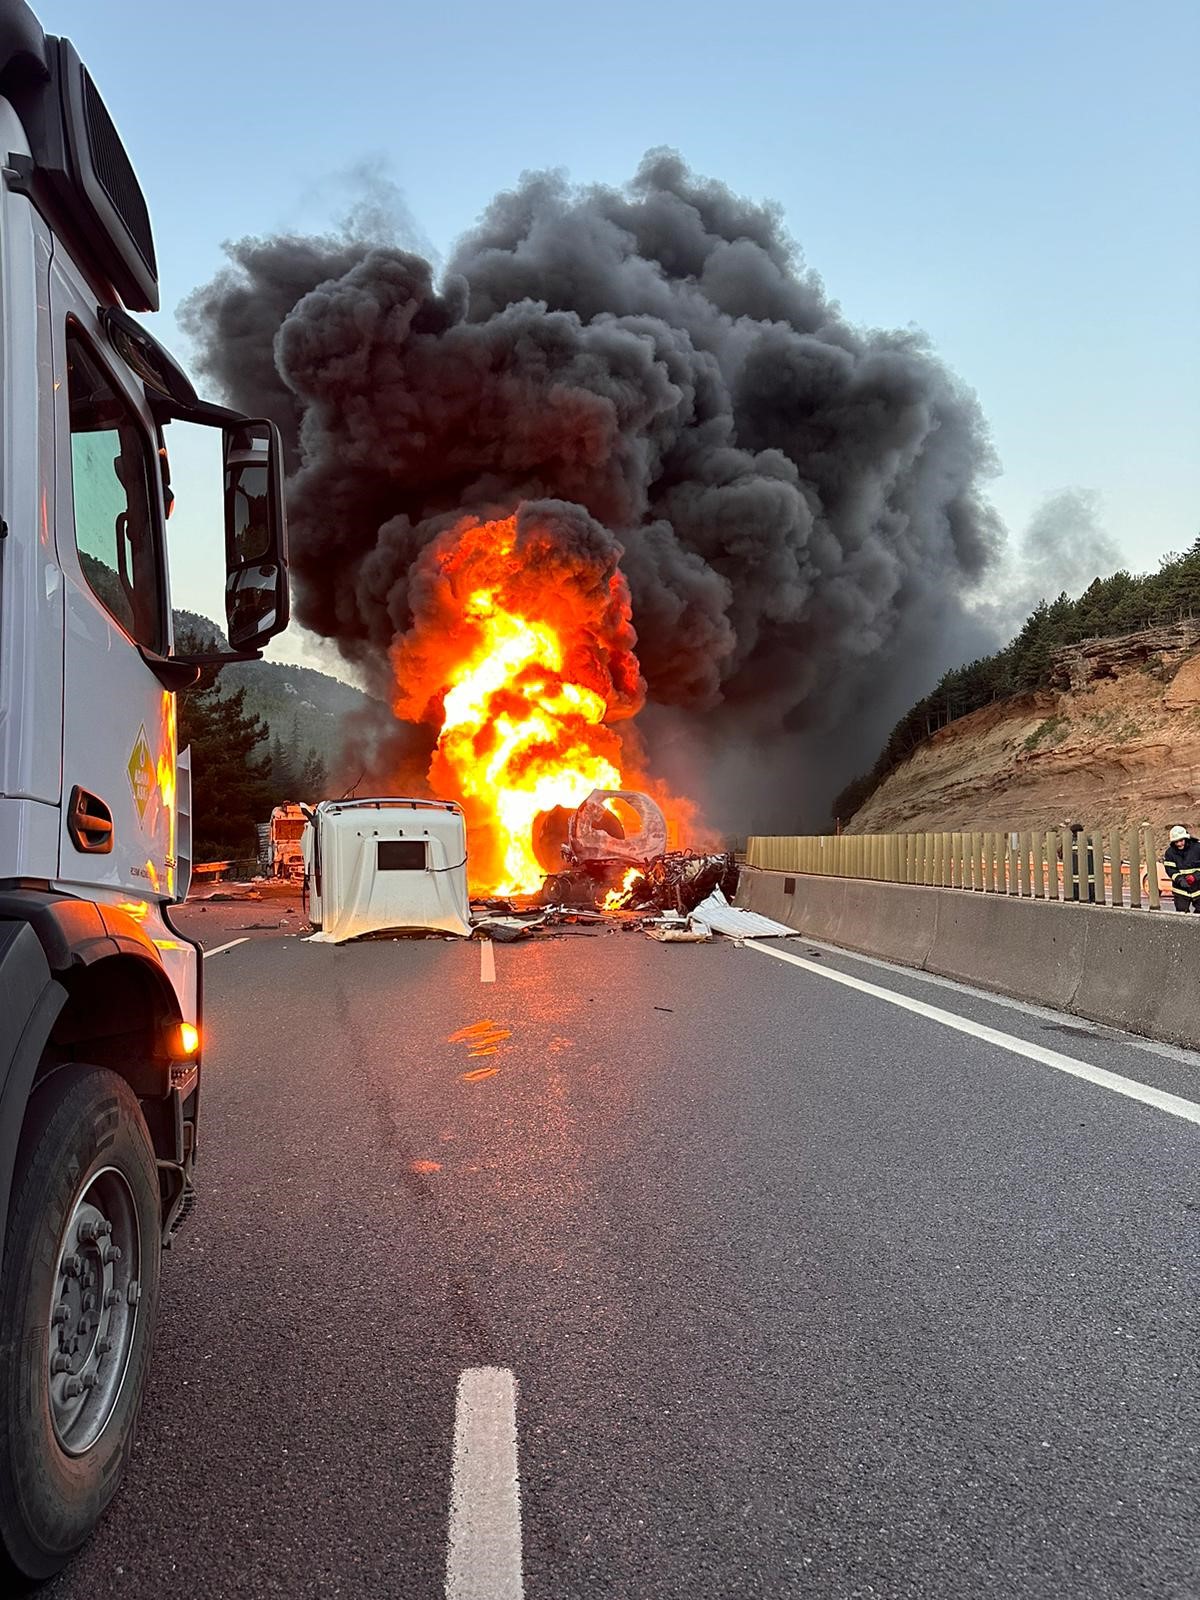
x=610, y=856
x=615, y=856
x=394, y=866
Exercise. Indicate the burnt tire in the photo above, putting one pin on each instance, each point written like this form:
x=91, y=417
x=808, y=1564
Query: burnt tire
x=85, y=1171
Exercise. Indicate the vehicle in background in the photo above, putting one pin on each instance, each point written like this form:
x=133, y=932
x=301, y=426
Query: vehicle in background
x=287, y=829
x=99, y=994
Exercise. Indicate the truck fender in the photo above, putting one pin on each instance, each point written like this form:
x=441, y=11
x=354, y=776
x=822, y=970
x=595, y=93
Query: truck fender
x=30, y=1000
x=77, y=932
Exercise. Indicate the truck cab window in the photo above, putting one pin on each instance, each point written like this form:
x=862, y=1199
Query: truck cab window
x=114, y=508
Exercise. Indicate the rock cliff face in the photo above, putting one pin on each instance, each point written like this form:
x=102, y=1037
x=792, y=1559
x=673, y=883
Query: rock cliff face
x=1160, y=649
x=1114, y=743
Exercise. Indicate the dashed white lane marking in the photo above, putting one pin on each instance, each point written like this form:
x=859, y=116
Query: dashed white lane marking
x=487, y=961
x=223, y=947
x=1129, y=1087
x=483, y=1558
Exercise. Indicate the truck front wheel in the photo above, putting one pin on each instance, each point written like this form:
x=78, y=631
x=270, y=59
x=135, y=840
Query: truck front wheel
x=77, y=1303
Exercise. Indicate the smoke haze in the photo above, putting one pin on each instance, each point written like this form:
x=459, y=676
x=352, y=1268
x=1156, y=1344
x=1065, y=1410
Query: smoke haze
x=798, y=504
x=1064, y=546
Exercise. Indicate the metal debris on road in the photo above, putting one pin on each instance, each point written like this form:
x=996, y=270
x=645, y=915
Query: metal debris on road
x=717, y=914
x=682, y=933
x=551, y=920
x=233, y=893
x=680, y=880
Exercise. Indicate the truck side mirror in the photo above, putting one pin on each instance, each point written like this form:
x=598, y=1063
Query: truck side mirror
x=256, y=569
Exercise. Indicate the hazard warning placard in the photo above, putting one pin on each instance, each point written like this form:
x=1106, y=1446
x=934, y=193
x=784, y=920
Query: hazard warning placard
x=141, y=773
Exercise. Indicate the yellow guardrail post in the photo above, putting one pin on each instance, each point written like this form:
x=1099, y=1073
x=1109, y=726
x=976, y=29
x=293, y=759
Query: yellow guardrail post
x=1151, y=854
x=1115, y=875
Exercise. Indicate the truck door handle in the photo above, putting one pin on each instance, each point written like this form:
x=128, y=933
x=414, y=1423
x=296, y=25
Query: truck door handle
x=90, y=823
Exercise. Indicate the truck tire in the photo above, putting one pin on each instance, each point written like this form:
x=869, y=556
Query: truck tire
x=77, y=1308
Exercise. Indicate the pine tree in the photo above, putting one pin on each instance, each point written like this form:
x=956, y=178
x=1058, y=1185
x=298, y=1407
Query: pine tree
x=313, y=778
x=284, y=774
x=230, y=784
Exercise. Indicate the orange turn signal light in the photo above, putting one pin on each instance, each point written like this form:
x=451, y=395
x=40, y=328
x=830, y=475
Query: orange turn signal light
x=187, y=1039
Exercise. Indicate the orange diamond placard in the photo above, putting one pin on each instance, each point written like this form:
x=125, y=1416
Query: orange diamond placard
x=141, y=773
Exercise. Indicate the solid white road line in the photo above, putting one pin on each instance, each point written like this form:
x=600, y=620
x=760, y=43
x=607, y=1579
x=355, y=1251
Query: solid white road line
x=222, y=947
x=1129, y=1087
x=1102, y=1031
x=483, y=1558
x=487, y=961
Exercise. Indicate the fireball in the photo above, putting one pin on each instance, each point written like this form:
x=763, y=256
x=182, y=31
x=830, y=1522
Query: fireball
x=522, y=657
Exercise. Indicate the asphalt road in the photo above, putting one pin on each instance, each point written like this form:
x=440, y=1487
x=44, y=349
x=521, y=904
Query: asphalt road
x=801, y=1293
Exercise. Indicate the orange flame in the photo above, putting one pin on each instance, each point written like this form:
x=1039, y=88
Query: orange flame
x=616, y=898
x=521, y=654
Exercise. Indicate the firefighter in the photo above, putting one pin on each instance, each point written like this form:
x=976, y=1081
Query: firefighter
x=1182, y=861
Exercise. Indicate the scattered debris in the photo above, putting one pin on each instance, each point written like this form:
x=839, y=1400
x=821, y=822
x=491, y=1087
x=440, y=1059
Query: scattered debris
x=233, y=892
x=550, y=919
x=680, y=880
x=504, y=930
x=683, y=933
x=719, y=916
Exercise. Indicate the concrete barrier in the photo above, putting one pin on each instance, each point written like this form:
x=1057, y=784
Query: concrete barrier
x=1127, y=969
x=1031, y=948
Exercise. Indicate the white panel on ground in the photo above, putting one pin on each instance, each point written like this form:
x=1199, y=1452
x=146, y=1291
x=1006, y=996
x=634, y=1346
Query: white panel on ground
x=716, y=913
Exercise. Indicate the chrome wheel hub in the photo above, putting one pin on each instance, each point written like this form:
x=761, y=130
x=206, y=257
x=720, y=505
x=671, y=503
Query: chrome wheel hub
x=94, y=1310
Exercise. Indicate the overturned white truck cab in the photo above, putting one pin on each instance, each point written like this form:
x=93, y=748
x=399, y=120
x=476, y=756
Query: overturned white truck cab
x=388, y=865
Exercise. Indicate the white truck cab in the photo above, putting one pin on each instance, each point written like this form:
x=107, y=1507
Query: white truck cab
x=100, y=1012
x=389, y=864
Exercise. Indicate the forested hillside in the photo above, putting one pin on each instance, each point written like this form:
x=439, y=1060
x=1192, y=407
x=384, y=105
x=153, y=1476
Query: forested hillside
x=1108, y=606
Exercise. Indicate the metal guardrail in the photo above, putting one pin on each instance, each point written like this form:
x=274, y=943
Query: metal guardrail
x=216, y=871
x=210, y=869
x=1114, y=867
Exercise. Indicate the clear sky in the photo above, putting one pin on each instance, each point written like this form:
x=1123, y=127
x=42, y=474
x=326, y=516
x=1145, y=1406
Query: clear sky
x=1019, y=178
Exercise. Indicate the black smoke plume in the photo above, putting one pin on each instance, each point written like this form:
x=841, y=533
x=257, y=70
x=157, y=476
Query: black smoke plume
x=798, y=501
